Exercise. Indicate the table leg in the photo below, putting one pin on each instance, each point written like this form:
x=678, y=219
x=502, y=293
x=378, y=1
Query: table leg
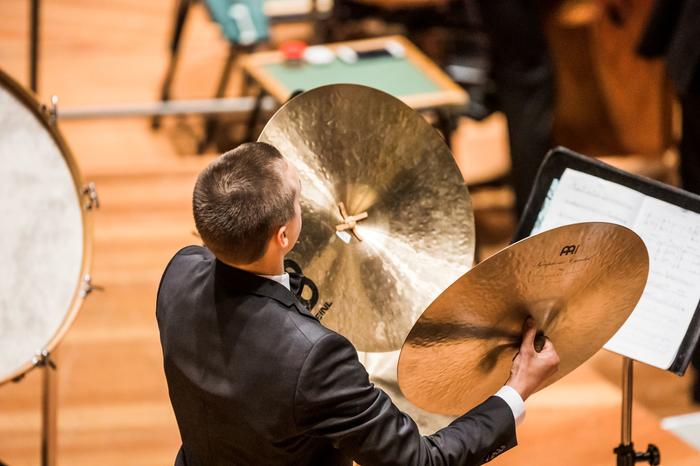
x=211, y=122
x=182, y=8
x=254, y=116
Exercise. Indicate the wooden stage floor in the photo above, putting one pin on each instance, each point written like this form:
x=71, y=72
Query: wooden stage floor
x=114, y=408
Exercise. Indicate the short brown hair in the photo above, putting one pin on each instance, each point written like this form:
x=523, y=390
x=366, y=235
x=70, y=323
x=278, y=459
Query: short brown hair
x=240, y=200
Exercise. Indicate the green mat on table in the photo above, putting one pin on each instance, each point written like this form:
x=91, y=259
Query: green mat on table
x=396, y=76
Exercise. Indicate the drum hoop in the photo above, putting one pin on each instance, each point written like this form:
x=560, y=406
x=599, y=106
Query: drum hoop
x=31, y=102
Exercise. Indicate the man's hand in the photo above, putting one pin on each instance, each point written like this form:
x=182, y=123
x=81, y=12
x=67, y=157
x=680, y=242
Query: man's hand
x=531, y=368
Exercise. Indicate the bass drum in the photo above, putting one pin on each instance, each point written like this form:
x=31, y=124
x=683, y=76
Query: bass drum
x=46, y=246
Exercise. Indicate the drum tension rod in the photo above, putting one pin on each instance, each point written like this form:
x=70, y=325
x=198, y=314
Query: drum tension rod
x=43, y=359
x=90, y=192
x=51, y=112
x=88, y=287
x=350, y=221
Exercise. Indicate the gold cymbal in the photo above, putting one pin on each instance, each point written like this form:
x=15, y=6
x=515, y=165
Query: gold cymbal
x=387, y=218
x=579, y=282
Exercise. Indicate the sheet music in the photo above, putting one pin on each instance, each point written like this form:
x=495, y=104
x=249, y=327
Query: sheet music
x=656, y=328
x=581, y=197
x=672, y=293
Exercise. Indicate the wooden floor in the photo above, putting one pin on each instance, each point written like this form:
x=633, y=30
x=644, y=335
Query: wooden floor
x=114, y=408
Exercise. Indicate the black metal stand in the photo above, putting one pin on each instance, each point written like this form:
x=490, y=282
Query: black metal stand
x=446, y=123
x=626, y=454
x=49, y=381
x=33, y=44
x=254, y=117
x=48, y=408
x=181, y=10
x=211, y=122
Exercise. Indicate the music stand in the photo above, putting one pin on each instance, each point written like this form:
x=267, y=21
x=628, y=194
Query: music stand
x=571, y=188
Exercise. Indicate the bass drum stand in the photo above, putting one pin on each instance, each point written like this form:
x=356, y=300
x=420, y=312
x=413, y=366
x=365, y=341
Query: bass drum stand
x=49, y=385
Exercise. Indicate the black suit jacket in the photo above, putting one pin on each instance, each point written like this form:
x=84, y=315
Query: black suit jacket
x=255, y=379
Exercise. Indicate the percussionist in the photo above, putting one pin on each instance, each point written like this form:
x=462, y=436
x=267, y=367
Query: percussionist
x=253, y=376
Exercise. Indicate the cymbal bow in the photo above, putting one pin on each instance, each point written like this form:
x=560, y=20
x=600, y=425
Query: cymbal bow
x=579, y=283
x=387, y=217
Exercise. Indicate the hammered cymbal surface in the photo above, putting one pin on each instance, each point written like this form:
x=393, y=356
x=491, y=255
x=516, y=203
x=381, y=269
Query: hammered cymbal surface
x=578, y=282
x=364, y=148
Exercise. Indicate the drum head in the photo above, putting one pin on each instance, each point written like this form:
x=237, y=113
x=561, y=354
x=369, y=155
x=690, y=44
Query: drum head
x=43, y=252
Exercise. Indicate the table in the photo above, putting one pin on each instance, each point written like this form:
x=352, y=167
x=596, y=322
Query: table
x=415, y=79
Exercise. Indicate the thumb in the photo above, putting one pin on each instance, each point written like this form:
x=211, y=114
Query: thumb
x=529, y=333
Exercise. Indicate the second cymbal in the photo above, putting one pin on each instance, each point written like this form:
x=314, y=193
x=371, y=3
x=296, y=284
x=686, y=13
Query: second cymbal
x=579, y=283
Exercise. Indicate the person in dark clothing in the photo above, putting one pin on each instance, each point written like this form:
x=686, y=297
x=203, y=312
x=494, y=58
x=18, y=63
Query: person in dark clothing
x=524, y=75
x=673, y=32
x=253, y=376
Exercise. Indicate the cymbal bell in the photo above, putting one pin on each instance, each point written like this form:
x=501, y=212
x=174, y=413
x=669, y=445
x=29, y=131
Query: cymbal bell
x=387, y=217
x=578, y=282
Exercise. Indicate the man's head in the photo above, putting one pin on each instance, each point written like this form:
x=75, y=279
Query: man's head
x=246, y=204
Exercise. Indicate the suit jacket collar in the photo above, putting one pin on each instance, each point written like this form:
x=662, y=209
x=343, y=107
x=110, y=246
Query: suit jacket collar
x=246, y=282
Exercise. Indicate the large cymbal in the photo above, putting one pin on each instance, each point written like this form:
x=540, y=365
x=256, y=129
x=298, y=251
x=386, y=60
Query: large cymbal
x=364, y=148
x=579, y=282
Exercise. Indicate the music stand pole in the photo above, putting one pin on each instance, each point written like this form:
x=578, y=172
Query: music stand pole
x=626, y=455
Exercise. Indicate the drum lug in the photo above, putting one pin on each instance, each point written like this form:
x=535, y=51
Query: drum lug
x=43, y=359
x=88, y=287
x=90, y=192
x=51, y=112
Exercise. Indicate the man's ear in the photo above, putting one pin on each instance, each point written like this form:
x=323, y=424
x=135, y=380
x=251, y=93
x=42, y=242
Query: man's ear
x=281, y=237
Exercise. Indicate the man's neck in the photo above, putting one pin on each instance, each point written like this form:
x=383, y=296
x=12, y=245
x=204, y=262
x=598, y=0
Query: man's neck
x=263, y=266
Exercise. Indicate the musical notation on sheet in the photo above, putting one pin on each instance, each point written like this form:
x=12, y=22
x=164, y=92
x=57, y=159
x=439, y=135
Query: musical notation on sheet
x=656, y=328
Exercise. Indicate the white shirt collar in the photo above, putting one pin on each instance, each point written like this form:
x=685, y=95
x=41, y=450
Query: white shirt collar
x=281, y=279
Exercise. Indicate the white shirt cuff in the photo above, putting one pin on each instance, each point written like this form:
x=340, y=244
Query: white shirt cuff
x=514, y=401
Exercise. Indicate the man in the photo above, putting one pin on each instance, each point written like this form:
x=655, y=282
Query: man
x=673, y=31
x=524, y=77
x=255, y=379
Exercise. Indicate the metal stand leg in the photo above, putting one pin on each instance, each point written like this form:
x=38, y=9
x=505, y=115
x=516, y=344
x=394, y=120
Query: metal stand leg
x=211, y=123
x=48, y=408
x=627, y=392
x=446, y=124
x=34, y=45
x=626, y=455
x=319, y=32
x=254, y=117
x=182, y=9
